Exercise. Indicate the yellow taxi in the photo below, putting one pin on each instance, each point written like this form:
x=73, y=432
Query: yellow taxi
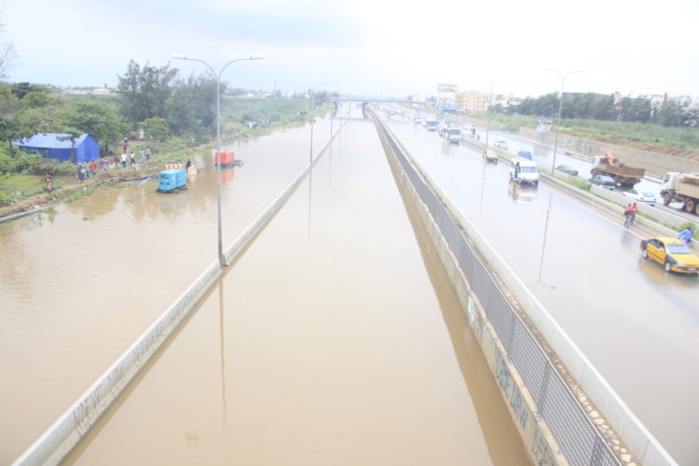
x=490, y=156
x=672, y=253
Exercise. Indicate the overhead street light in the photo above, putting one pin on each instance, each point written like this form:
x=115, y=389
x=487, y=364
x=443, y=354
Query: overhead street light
x=560, y=107
x=490, y=98
x=217, y=76
x=313, y=106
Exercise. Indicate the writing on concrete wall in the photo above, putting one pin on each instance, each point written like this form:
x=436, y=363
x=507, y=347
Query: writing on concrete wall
x=512, y=394
x=541, y=452
x=540, y=449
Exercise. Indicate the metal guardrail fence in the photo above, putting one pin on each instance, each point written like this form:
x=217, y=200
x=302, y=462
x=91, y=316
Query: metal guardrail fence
x=578, y=439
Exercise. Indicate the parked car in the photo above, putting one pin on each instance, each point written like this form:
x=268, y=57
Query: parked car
x=501, y=144
x=567, y=169
x=490, y=157
x=672, y=253
x=525, y=154
x=604, y=181
x=641, y=196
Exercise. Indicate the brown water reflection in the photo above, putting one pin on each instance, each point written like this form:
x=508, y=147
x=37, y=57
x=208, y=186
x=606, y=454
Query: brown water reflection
x=324, y=344
x=78, y=285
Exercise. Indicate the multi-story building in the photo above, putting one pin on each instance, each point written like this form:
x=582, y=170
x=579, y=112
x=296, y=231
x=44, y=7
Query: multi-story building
x=471, y=101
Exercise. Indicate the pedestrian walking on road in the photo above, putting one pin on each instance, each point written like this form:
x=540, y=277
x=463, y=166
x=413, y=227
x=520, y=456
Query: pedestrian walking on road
x=686, y=235
x=634, y=211
x=627, y=216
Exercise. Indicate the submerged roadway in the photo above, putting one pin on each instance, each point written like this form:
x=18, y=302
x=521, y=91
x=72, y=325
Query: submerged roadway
x=334, y=338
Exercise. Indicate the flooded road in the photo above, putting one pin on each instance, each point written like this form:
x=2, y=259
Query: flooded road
x=334, y=339
x=81, y=284
x=638, y=325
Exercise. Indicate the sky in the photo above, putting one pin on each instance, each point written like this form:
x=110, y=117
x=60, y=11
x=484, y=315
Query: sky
x=380, y=48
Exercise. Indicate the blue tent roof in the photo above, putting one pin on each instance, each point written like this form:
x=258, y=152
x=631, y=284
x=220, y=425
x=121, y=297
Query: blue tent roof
x=59, y=146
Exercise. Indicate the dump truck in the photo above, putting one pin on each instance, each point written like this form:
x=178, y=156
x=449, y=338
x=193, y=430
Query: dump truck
x=681, y=187
x=626, y=177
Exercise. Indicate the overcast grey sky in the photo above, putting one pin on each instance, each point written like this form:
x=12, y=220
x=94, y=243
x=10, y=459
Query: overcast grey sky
x=371, y=47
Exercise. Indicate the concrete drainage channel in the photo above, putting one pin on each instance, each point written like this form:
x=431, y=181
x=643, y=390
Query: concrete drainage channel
x=69, y=430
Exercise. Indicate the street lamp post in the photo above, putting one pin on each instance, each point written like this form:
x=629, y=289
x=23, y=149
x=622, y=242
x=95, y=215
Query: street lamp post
x=217, y=76
x=560, y=107
x=490, y=98
x=313, y=120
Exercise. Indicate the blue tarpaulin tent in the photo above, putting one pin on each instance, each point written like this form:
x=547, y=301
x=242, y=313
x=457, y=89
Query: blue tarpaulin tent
x=60, y=147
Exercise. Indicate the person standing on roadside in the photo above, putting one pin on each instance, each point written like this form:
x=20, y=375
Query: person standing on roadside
x=627, y=216
x=634, y=211
x=123, y=159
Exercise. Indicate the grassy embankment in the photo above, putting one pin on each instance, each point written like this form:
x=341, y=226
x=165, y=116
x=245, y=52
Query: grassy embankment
x=19, y=192
x=623, y=132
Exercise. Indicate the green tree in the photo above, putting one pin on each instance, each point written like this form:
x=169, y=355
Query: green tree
x=636, y=109
x=20, y=90
x=97, y=119
x=155, y=129
x=672, y=113
x=191, y=108
x=144, y=92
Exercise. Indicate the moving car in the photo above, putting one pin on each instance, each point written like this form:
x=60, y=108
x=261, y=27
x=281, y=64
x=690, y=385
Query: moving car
x=524, y=172
x=604, y=181
x=641, y=196
x=567, y=169
x=501, y=144
x=672, y=253
x=490, y=157
x=525, y=154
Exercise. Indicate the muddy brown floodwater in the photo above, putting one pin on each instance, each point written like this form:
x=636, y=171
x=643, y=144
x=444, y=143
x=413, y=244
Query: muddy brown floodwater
x=335, y=339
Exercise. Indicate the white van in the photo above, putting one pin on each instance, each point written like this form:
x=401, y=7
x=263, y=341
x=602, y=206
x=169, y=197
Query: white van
x=524, y=172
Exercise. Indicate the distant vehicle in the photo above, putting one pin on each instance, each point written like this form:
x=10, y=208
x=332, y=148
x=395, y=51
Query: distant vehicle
x=672, y=253
x=431, y=125
x=681, y=187
x=524, y=172
x=641, y=196
x=525, y=154
x=567, y=169
x=604, y=181
x=624, y=176
x=453, y=135
x=490, y=156
x=501, y=144
x=468, y=131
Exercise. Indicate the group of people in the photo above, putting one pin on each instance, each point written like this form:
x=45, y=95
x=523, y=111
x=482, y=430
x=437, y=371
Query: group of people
x=126, y=157
x=630, y=214
x=87, y=169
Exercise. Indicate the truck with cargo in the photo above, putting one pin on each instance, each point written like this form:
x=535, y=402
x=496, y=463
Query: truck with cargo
x=681, y=187
x=626, y=177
